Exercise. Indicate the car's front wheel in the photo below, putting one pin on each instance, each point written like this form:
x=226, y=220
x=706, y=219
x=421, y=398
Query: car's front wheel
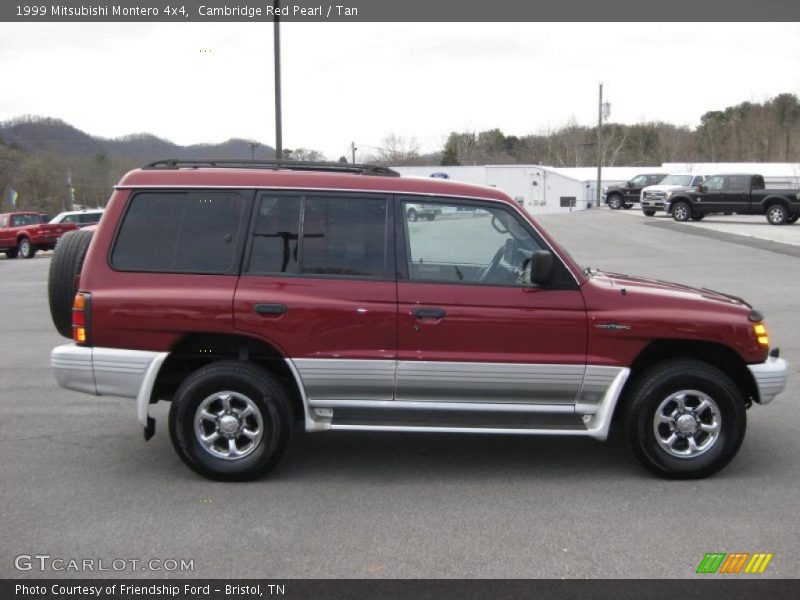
x=681, y=211
x=615, y=202
x=230, y=421
x=649, y=213
x=684, y=419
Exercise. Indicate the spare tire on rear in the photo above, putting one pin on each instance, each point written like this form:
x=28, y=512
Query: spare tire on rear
x=62, y=283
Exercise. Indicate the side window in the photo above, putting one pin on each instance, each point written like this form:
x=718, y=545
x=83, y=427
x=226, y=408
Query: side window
x=179, y=232
x=757, y=182
x=654, y=179
x=342, y=236
x=714, y=183
x=71, y=219
x=737, y=183
x=639, y=181
x=276, y=235
x=486, y=246
x=697, y=180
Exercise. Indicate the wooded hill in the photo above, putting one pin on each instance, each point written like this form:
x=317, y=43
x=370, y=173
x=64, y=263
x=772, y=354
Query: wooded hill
x=38, y=154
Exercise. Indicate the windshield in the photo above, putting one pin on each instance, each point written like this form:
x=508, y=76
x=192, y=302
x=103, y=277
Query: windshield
x=677, y=180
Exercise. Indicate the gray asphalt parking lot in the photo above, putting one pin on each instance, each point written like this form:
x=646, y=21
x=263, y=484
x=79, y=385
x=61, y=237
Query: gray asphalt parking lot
x=79, y=482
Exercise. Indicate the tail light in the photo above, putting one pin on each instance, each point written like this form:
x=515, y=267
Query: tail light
x=81, y=318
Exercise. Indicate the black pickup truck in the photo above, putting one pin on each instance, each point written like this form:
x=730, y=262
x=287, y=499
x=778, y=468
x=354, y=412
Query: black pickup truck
x=625, y=196
x=743, y=194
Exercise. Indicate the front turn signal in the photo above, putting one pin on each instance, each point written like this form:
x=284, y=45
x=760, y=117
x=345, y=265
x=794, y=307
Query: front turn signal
x=761, y=334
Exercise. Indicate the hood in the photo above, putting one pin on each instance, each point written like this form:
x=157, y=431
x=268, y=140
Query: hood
x=666, y=290
x=665, y=188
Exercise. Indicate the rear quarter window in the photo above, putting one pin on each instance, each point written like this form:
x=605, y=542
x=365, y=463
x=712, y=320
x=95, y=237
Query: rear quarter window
x=180, y=232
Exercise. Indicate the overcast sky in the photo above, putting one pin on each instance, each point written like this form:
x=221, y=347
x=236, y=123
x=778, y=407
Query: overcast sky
x=196, y=82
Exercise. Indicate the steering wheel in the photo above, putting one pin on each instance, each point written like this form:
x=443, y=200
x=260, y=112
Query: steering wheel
x=493, y=264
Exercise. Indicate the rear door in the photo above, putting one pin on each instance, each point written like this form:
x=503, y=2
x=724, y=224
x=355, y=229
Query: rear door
x=470, y=329
x=736, y=197
x=318, y=284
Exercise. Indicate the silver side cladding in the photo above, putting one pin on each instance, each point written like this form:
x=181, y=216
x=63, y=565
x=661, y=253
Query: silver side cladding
x=596, y=383
x=335, y=379
x=72, y=366
x=770, y=378
x=504, y=383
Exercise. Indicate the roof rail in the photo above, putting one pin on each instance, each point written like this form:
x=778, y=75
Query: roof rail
x=292, y=165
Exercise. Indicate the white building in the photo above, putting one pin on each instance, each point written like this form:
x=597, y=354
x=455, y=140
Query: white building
x=543, y=189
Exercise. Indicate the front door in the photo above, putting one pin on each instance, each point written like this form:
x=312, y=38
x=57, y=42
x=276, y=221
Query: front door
x=317, y=284
x=471, y=328
x=711, y=198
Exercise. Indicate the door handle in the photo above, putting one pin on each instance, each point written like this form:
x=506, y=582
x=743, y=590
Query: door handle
x=428, y=313
x=268, y=310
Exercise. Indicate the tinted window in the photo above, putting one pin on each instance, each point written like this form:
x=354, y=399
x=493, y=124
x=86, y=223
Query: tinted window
x=275, y=236
x=737, y=182
x=340, y=236
x=25, y=220
x=484, y=246
x=639, y=180
x=654, y=179
x=344, y=236
x=181, y=232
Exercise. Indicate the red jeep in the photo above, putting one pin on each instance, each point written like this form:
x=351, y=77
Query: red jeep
x=255, y=295
x=25, y=233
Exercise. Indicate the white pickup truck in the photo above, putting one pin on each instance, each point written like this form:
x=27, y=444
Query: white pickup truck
x=656, y=197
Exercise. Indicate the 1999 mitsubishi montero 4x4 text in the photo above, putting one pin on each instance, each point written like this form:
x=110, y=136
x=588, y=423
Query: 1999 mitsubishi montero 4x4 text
x=258, y=295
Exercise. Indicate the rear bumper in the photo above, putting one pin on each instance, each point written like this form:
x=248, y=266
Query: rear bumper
x=770, y=378
x=109, y=372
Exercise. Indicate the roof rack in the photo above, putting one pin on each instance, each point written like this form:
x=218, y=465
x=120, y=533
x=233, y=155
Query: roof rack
x=292, y=165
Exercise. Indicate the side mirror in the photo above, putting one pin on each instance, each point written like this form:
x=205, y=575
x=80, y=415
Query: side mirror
x=542, y=267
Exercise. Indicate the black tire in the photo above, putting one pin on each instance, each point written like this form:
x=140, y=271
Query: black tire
x=777, y=214
x=430, y=217
x=627, y=206
x=412, y=215
x=698, y=217
x=25, y=249
x=255, y=384
x=615, y=202
x=655, y=386
x=649, y=213
x=681, y=211
x=11, y=253
x=792, y=219
x=62, y=281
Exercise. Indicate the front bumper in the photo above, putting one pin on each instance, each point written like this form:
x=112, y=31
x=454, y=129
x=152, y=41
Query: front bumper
x=652, y=204
x=109, y=372
x=770, y=378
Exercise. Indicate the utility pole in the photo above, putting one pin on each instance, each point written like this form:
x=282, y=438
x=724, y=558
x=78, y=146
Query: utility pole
x=278, y=124
x=599, y=151
x=603, y=112
x=353, y=152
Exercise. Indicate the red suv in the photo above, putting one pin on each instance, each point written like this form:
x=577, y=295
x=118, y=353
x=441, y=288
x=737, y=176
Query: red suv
x=257, y=295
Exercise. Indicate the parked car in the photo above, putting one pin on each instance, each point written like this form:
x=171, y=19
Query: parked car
x=25, y=233
x=81, y=218
x=654, y=196
x=268, y=294
x=625, y=196
x=743, y=194
x=429, y=212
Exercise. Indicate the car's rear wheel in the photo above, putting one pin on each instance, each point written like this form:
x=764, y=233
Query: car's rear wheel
x=230, y=421
x=11, y=253
x=777, y=214
x=684, y=419
x=62, y=281
x=615, y=202
x=430, y=217
x=681, y=211
x=649, y=213
x=25, y=249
